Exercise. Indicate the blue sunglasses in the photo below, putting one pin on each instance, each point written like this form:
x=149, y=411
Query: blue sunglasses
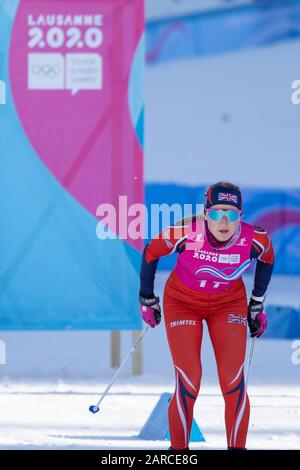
x=217, y=214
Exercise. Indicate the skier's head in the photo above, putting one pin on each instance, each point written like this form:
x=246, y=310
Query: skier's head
x=223, y=193
x=223, y=209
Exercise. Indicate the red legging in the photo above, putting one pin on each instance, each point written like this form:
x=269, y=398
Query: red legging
x=226, y=317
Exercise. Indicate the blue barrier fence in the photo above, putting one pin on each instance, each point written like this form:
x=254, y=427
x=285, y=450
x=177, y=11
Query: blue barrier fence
x=222, y=31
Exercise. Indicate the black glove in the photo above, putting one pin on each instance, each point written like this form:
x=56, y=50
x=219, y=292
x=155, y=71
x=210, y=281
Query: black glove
x=257, y=318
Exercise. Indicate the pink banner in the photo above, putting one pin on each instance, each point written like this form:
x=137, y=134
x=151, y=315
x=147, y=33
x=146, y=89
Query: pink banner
x=70, y=64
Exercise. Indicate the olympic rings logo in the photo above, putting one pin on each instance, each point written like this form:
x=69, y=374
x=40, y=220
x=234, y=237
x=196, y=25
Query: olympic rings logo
x=46, y=70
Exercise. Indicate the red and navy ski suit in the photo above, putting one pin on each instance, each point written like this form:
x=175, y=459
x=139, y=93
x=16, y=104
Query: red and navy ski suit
x=206, y=284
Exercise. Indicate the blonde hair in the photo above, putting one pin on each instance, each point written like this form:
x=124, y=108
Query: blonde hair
x=190, y=218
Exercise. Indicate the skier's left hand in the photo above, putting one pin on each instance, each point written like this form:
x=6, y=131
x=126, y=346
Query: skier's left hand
x=257, y=318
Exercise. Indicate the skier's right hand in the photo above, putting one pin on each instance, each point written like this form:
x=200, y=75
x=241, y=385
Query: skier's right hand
x=150, y=310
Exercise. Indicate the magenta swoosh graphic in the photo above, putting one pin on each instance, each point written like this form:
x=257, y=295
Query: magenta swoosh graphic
x=170, y=29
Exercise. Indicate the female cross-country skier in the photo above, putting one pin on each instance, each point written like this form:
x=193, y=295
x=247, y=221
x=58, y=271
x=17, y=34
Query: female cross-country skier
x=214, y=250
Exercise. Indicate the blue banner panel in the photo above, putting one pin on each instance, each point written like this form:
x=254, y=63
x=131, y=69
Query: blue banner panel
x=283, y=322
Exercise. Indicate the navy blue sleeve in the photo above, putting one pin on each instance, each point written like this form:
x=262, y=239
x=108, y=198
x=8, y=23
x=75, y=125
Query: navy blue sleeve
x=262, y=277
x=147, y=276
x=262, y=250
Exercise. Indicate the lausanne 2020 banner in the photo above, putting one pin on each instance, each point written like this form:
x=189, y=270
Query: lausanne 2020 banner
x=71, y=139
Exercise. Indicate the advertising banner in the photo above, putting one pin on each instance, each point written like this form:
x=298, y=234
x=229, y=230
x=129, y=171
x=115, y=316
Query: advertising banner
x=71, y=139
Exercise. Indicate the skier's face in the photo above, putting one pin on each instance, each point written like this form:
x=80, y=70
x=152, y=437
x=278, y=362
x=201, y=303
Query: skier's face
x=223, y=229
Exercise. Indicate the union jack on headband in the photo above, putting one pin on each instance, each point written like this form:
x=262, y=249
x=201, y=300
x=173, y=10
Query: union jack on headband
x=227, y=197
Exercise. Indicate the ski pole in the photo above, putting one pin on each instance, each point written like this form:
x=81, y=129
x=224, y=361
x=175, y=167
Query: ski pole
x=95, y=408
x=250, y=360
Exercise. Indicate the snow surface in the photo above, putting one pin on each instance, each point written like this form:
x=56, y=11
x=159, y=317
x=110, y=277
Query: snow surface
x=51, y=379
